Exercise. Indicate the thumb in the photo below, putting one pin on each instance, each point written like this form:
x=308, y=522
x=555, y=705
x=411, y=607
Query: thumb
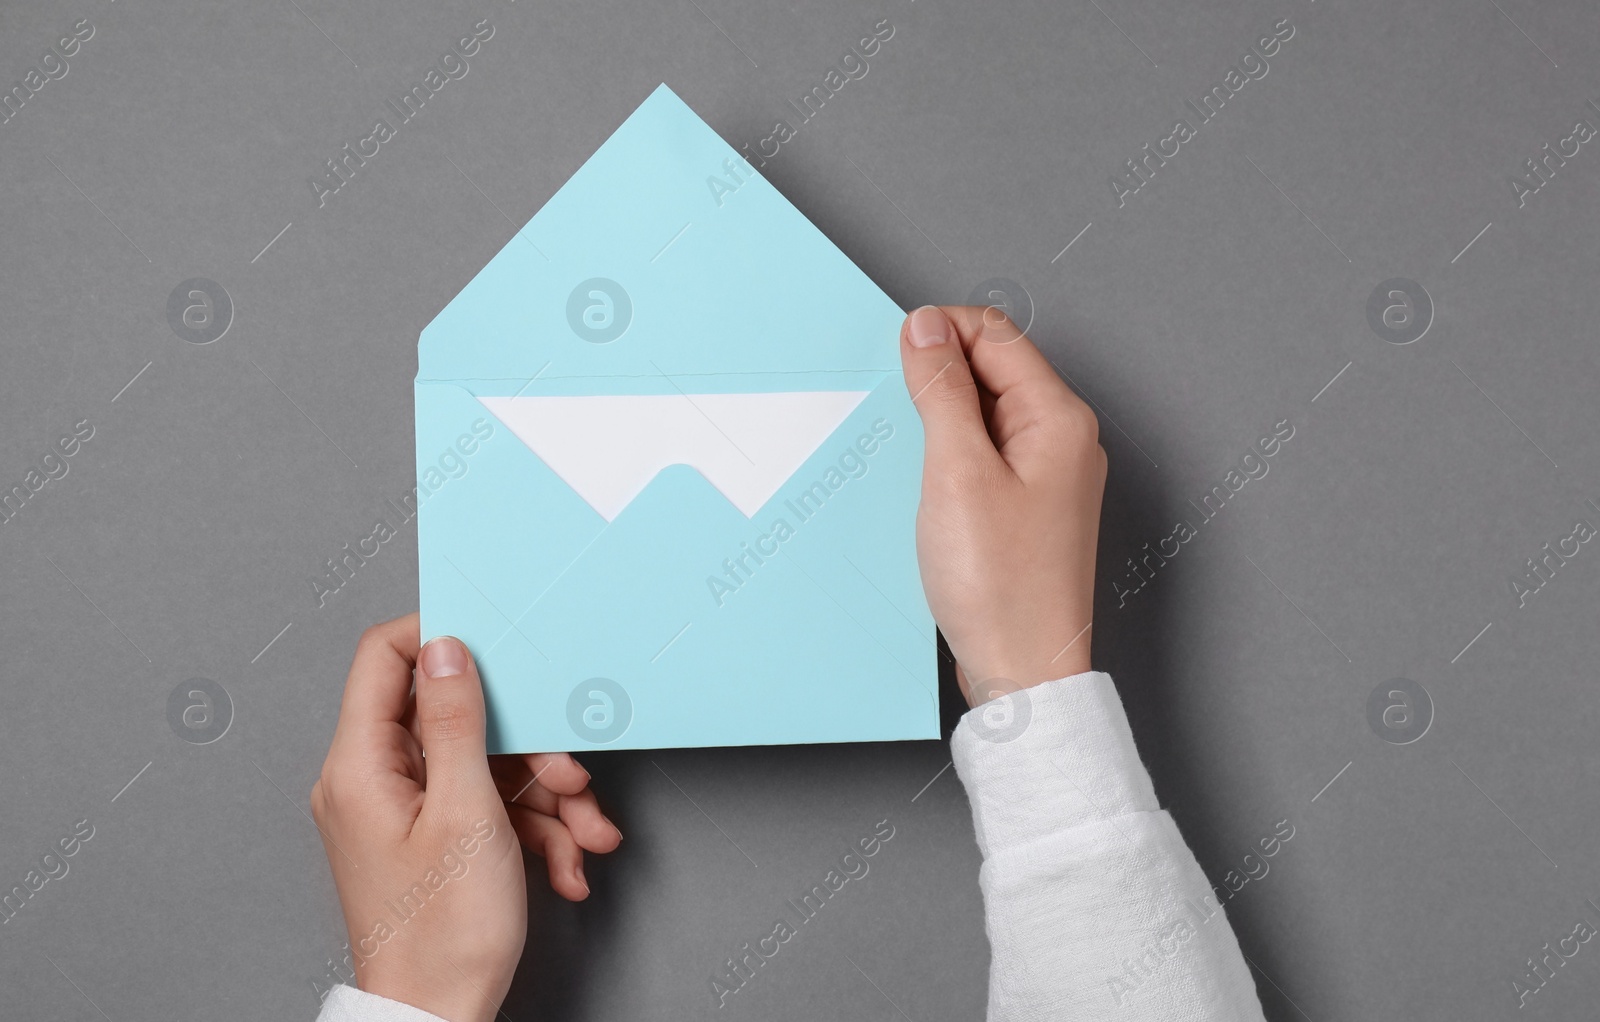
x=450, y=718
x=941, y=386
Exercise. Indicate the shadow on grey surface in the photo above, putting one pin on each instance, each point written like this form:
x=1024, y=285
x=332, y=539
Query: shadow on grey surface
x=565, y=940
x=796, y=795
x=1134, y=645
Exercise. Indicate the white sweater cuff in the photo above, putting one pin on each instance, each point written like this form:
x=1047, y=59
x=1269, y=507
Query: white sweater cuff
x=1069, y=738
x=347, y=1004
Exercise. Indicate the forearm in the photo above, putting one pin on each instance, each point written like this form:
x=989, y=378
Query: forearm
x=1095, y=907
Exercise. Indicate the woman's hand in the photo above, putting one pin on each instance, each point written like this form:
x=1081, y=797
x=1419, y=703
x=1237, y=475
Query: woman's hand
x=1011, y=487
x=422, y=830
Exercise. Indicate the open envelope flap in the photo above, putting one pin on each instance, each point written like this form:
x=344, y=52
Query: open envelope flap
x=666, y=254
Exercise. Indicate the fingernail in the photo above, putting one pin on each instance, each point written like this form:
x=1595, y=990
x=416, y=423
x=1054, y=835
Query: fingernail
x=929, y=327
x=579, y=871
x=443, y=657
x=614, y=827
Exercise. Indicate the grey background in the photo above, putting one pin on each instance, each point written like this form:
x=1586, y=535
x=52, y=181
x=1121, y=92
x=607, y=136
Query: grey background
x=1222, y=298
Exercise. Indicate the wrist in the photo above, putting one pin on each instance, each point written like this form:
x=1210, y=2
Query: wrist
x=999, y=676
x=451, y=1000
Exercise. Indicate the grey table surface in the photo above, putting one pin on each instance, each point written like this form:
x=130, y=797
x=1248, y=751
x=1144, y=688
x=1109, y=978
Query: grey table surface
x=1229, y=292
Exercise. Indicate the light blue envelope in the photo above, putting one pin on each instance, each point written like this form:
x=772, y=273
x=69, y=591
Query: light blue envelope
x=668, y=469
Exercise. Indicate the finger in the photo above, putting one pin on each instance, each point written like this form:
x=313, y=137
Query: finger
x=557, y=771
x=549, y=837
x=1002, y=356
x=1030, y=401
x=408, y=720
x=450, y=719
x=577, y=808
x=517, y=785
x=379, y=687
x=588, y=825
x=411, y=742
x=941, y=386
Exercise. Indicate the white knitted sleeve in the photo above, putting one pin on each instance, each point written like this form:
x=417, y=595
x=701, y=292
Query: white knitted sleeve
x=1094, y=906
x=347, y=1004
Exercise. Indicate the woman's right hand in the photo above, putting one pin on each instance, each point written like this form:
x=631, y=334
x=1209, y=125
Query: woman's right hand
x=1011, y=485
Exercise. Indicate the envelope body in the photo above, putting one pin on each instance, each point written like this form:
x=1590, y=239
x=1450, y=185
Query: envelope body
x=668, y=469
